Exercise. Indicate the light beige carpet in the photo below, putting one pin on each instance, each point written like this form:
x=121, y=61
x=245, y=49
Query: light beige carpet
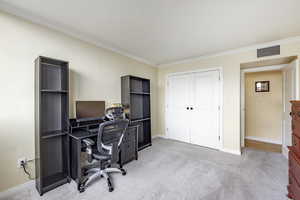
x=171, y=170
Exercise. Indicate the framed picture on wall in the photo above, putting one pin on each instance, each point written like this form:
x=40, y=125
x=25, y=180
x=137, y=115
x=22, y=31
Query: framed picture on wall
x=262, y=86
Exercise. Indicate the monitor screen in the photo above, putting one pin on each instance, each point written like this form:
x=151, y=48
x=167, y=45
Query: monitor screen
x=90, y=109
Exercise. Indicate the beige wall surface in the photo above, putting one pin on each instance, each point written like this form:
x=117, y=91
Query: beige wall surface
x=94, y=75
x=231, y=87
x=263, y=109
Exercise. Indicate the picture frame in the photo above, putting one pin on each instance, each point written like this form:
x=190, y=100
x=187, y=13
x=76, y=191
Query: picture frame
x=262, y=86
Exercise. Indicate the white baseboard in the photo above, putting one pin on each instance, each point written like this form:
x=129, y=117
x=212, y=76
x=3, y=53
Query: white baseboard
x=285, y=151
x=159, y=136
x=263, y=140
x=235, y=152
x=11, y=191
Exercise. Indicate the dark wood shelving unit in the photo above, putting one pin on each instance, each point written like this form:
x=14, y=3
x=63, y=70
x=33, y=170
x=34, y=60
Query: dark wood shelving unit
x=136, y=100
x=51, y=123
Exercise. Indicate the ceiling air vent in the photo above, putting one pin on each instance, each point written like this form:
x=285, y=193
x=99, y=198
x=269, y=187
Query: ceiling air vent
x=269, y=51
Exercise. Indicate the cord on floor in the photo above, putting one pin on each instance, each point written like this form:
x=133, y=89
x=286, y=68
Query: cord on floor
x=23, y=164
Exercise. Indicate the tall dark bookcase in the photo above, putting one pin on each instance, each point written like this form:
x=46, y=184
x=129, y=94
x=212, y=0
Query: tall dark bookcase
x=51, y=123
x=136, y=100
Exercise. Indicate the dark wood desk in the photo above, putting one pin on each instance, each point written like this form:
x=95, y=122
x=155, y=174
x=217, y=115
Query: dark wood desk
x=129, y=148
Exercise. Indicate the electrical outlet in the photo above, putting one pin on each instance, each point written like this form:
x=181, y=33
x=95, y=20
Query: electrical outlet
x=20, y=160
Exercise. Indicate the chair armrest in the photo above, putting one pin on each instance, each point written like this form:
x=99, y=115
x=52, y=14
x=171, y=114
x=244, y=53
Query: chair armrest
x=88, y=142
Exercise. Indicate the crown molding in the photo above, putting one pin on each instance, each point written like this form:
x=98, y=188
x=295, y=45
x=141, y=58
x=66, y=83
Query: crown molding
x=75, y=34
x=265, y=68
x=233, y=51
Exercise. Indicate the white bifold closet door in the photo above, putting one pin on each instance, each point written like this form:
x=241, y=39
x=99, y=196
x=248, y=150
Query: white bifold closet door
x=193, y=108
x=177, y=114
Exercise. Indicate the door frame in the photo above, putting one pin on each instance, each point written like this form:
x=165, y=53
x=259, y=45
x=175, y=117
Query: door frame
x=220, y=70
x=242, y=106
x=242, y=92
x=296, y=97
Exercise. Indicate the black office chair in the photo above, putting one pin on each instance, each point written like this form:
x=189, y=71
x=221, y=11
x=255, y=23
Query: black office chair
x=114, y=113
x=109, y=139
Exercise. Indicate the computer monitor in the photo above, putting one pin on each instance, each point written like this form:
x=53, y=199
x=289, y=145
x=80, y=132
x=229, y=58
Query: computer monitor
x=90, y=109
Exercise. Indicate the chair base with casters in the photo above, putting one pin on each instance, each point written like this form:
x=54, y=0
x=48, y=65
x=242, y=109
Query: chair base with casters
x=106, y=154
x=91, y=174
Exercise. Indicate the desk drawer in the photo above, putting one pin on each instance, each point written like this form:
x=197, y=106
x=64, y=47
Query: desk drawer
x=295, y=107
x=296, y=127
x=293, y=187
x=128, y=152
x=130, y=135
x=296, y=144
x=294, y=164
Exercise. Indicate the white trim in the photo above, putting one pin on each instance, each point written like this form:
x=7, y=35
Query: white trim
x=265, y=68
x=283, y=148
x=297, y=80
x=235, y=152
x=89, y=39
x=242, y=93
x=267, y=140
x=242, y=109
x=220, y=69
x=296, y=95
x=13, y=190
x=285, y=151
x=233, y=51
x=159, y=136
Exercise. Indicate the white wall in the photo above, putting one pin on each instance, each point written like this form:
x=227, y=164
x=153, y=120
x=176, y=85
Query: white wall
x=94, y=75
x=231, y=88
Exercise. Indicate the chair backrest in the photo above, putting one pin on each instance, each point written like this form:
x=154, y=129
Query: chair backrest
x=110, y=136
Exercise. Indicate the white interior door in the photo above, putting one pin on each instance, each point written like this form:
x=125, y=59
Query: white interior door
x=178, y=95
x=289, y=94
x=192, y=113
x=205, y=109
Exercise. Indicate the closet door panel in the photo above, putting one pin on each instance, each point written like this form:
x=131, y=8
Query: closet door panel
x=177, y=115
x=204, y=120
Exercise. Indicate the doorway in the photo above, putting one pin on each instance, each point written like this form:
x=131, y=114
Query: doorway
x=193, y=107
x=263, y=110
x=265, y=120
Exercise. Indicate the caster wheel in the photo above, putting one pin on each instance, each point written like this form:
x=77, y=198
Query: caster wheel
x=81, y=188
x=110, y=187
x=123, y=172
